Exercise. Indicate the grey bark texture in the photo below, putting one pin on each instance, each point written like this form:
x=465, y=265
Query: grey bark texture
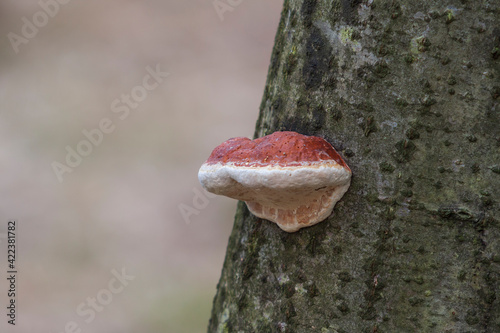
x=408, y=93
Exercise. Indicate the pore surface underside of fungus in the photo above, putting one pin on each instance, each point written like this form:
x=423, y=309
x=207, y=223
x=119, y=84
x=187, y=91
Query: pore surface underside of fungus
x=288, y=178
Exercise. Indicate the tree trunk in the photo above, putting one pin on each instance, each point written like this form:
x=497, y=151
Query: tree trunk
x=408, y=93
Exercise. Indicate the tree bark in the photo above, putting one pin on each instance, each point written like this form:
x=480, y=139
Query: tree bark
x=408, y=93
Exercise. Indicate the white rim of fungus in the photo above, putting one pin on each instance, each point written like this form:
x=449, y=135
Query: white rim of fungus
x=309, y=175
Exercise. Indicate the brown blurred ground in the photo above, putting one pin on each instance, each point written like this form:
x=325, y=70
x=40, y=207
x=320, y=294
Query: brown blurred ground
x=119, y=208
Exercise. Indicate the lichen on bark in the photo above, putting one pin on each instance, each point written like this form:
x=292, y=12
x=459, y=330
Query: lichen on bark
x=408, y=93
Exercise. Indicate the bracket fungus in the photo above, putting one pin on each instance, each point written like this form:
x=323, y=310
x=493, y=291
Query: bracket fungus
x=288, y=178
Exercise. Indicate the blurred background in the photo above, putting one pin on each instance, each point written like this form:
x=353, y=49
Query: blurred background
x=128, y=205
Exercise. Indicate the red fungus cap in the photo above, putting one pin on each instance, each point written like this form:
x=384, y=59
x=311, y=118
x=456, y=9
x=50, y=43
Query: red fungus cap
x=286, y=177
x=279, y=148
